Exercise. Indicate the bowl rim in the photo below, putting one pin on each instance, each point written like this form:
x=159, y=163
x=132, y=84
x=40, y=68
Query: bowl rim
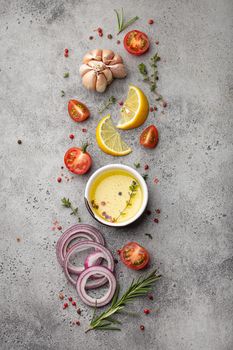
x=136, y=174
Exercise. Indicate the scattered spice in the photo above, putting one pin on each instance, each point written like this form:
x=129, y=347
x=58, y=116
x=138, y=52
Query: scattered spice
x=59, y=179
x=19, y=142
x=121, y=103
x=62, y=167
x=84, y=130
x=66, y=52
x=66, y=75
x=61, y=296
x=156, y=220
x=79, y=311
x=74, y=303
x=109, y=36
x=150, y=21
x=65, y=306
x=78, y=323
x=142, y=327
x=146, y=311
x=137, y=165
x=148, y=212
x=156, y=180
x=155, y=108
x=146, y=167
x=150, y=296
x=151, y=109
x=70, y=299
x=59, y=228
x=91, y=37
x=149, y=235
x=94, y=205
x=107, y=104
x=157, y=42
x=158, y=211
x=62, y=93
x=119, y=193
x=118, y=42
x=122, y=25
x=164, y=104
x=103, y=203
x=118, y=251
x=115, y=261
x=67, y=204
x=18, y=239
x=71, y=136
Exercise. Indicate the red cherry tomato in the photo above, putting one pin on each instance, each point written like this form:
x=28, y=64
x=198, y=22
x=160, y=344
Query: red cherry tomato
x=134, y=256
x=136, y=42
x=78, y=111
x=77, y=160
x=149, y=137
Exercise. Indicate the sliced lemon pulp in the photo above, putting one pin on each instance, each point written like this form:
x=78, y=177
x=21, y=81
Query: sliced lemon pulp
x=135, y=109
x=109, y=139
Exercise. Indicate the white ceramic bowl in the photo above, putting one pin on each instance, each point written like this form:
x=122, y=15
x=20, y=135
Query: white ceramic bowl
x=137, y=176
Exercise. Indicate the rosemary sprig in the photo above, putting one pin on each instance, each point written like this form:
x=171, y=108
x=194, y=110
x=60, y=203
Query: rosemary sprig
x=67, y=204
x=107, y=104
x=132, y=191
x=140, y=288
x=122, y=25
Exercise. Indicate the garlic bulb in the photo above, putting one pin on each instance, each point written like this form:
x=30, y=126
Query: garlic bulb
x=99, y=68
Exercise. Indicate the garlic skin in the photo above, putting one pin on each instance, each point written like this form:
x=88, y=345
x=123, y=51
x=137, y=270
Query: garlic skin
x=99, y=68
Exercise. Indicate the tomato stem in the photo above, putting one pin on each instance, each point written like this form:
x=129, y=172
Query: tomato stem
x=84, y=147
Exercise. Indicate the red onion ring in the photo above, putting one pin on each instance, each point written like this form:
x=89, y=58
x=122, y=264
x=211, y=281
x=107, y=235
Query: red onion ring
x=94, y=259
x=82, y=285
x=85, y=231
x=80, y=247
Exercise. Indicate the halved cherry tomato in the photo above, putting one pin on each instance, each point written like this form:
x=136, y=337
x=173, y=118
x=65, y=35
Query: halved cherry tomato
x=78, y=111
x=149, y=137
x=134, y=256
x=136, y=42
x=77, y=160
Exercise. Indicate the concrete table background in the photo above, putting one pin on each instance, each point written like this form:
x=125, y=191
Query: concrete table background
x=192, y=244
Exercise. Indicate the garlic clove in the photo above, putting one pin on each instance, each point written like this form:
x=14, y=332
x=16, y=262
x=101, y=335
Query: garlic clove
x=93, y=55
x=107, y=56
x=98, y=66
x=101, y=83
x=108, y=75
x=84, y=68
x=118, y=70
x=89, y=80
x=116, y=59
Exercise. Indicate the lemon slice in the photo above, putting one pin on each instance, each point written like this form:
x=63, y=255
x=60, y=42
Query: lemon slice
x=109, y=139
x=135, y=109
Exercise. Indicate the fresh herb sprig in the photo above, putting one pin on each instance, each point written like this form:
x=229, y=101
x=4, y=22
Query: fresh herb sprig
x=107, y=104
x=153, y=77
x=122, y=25
x=140, y=288
x=67, y=204
x=132, y=191
x=137, y=165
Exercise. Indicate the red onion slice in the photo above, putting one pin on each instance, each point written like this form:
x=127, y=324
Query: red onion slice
x=82, y=246
x=82, y=285
x=85, y=231
x=94, y=259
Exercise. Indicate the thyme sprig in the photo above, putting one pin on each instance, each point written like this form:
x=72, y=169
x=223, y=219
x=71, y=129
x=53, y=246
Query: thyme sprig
x=107, y=104
x=132, y=191
x=140, y=288
x=67, y=204
x=153, y=77
x=122, y=25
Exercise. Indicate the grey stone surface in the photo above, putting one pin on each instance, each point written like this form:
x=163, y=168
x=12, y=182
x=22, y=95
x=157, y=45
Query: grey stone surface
x=191, y=245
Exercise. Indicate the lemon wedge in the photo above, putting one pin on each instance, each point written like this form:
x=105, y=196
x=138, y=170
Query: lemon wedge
x=135, y=109
x=109, y=139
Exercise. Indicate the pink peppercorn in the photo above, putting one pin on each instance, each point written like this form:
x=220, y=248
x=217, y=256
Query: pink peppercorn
x=146, y=167
x=70, y=298
x=59, y=179
x=151, y=109
x=65, y=305
x=155, y=108
x=142, y=327
x=118, y=42
x=148, y=212
x=71, y=136
x=158, y=211
x=157, y=42
x=73, y=303
x=146, y=311
x=121, y=103
x=156, y=221
x=59, y=228
x=150, y=21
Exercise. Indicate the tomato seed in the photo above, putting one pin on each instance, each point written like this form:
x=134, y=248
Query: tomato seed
x=156, y=221
x=150, y=21
x=59, y=179
x=71, y=136
x=146, y=311
x=142, y=327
